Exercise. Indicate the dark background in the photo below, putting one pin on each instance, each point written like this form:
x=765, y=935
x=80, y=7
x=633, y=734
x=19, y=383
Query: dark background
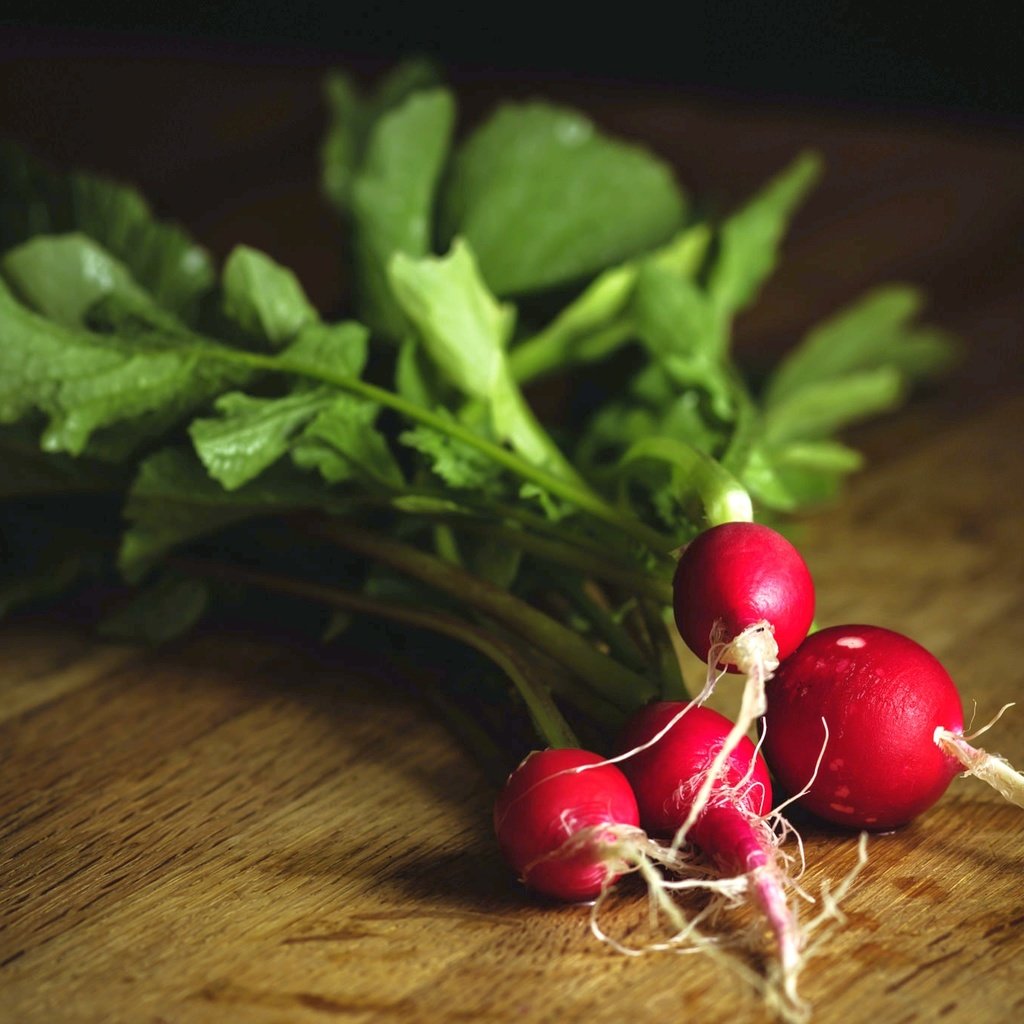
x=895, y=56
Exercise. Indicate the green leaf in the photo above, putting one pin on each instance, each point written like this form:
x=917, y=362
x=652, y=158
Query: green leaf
x=342, y=442
x=545, y=199
x=464, y=329
x=63, y=276
x=335, y=350
x=344, y=139
x=351, y=118
x=393, y=197
x=818, y=410
x=454, y=462
x=653, y=407
x=684, y=333
x=428, y=504
x=874, y=331
x=553, y=508
x=264, y=298
x=417, y=378
x=173, y=500
x=749, y=239
x=589, y=328
x=405, y=78
x=825, y=456
x=797, y=476
x=160, y=611
x=613, y=428
x=160, y=257
x=251, y=434
x=600, y=319
x=602, y=301
x=84, y=381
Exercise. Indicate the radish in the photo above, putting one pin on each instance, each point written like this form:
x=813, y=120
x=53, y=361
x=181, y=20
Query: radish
x=895, y=727
x=743, y=598
x=671, y=750
x=734, y=579
x=561, y=821
x=568, y=824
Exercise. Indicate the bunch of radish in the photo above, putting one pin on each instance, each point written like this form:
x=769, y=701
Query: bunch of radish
x=860, y=725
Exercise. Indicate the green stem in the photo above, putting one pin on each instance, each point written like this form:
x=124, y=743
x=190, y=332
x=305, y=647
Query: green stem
x=673, y=686
x=576, y=493
x=547, y=719
x=724, y=498
x=620, y=643
x=446, y=545
x=624, y=688
x=598, y=552
x=745, y=428
x=520, y=426
x=598, y=321
x=567, y=556
x=559, y=547
x=544, y=352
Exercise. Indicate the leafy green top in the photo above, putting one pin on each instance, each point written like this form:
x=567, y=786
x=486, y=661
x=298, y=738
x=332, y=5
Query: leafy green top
x=199, y=402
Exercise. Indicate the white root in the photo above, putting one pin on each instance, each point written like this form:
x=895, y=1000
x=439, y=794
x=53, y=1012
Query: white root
x=628, y=850
x=831, y=898
x=755, y=653
x=686, y=936
x=990, y=768
x=669, y=872
x=781, y=992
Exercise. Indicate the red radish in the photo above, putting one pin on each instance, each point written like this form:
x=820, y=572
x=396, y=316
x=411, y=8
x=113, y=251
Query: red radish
x=742, y=597
x=671, y=752
x=560, y=820
x=895, y=726
x=739, y=575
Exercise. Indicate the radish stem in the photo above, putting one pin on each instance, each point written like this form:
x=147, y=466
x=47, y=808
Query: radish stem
x=544, y=352
x=568, y=556
x=619, y=642
x=543, y=710
x=574, y=491
x=623, y=687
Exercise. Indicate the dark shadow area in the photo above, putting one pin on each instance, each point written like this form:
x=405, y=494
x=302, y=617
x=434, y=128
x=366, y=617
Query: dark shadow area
x=471, y=881
x=890, y=56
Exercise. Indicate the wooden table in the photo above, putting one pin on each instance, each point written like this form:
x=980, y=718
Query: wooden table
x=238, y=828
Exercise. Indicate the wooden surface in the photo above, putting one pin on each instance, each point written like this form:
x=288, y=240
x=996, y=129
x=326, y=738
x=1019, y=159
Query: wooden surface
x=238, y=828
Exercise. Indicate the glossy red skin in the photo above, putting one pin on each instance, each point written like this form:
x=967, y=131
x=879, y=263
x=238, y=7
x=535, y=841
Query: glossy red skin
x=663, y=779
x=538, y=810
x=741, y=573
x=883, y=695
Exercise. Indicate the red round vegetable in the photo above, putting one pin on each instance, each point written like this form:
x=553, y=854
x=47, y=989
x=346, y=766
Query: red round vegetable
x=668, y=774
x=556, y=825
x=895, y=728
x=743, y=597
x=735, y=575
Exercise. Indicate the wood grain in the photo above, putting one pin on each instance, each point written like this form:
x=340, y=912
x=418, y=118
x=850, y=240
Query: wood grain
x=236, y=828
